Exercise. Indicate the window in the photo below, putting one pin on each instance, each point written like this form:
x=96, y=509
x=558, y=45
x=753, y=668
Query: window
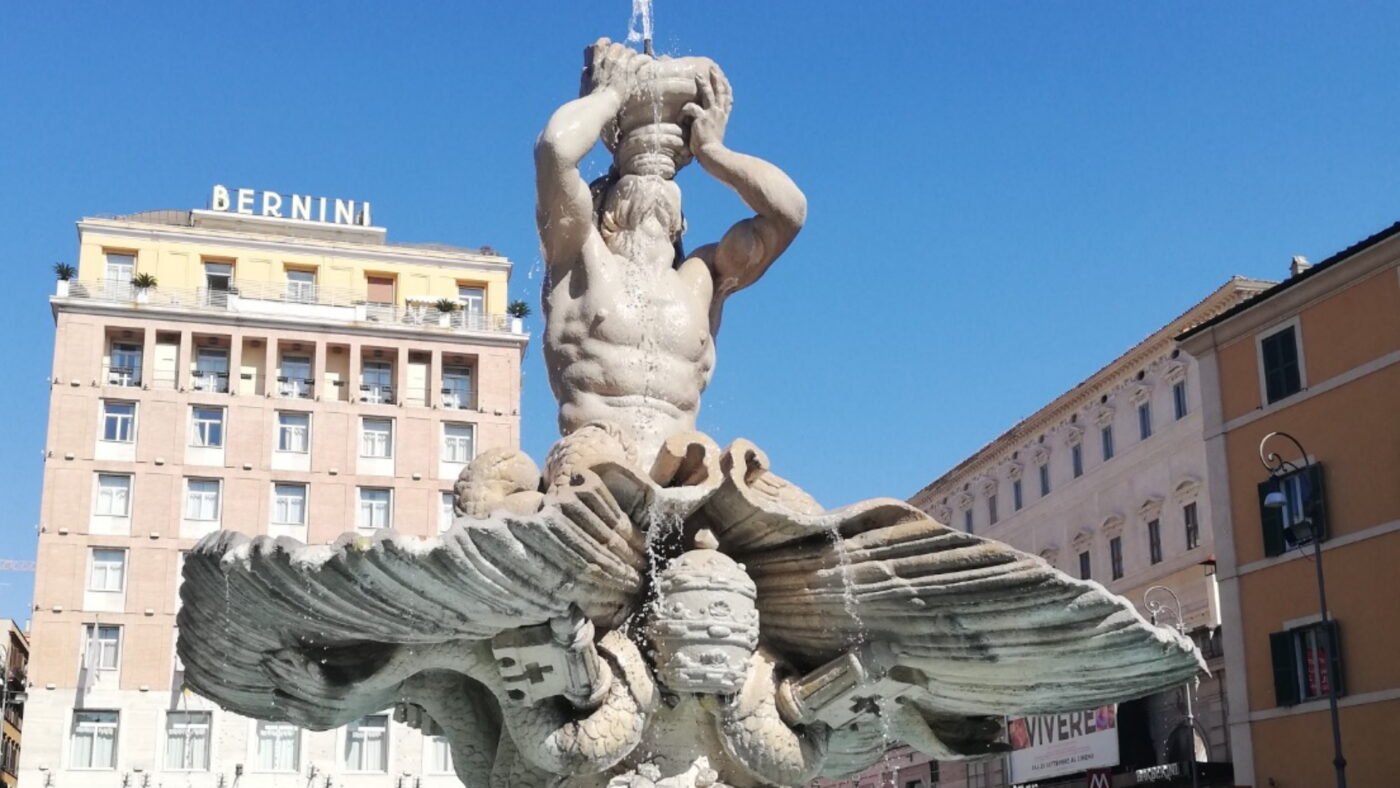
x=991, y=509
x=1279, y=358
x=1084, y=568
x=1154, y=541
x=108, y=570
x=473, y=301
x=1016, y=495
x=439, y=755
x=367, y=744
x=207, y=427
x=1115, y=556
x=279, y=747
x=289, y=504
x=187, y=740
x=375, y=510
x=967, y=519
x=1106, y=439
x=293, y=431
x=1179, y=399
x=113, y=495
x=102, y=647
x=218, y=283
x=456, y=387
x=375, y=385
x=447, y=512
x=120, y=268
x=94, y=743
x=1303, y=515
x=1307, y=662
x=1076, y=459
x=377, y=438
x=458, y=442
x=1045, y=479
x=125, y=367
x=211, y=370
x=301, y=285
x=295, y=380
x=1145, y=420
x=1193, y=526
x=118, y=421
x=202, y=499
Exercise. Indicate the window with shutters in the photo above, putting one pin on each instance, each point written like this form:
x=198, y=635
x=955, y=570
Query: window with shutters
x=1106, y=439
x=1016, y=501
x=1193, y=525
x=1280, y=365
x=1303, y=516
x=1076, y=459
x=1115, y=555
x=1307, y=662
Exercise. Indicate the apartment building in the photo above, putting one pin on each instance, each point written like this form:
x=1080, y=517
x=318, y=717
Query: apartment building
x=1316, y=357
x=242, y=369
x=1108, y=483
x=14, y=665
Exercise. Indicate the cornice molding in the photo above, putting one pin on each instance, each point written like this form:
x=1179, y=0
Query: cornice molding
x=282, y=245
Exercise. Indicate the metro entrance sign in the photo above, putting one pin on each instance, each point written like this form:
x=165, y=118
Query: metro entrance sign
x=254, y=202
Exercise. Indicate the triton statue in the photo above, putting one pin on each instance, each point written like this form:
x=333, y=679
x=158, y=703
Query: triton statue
x=651, y=610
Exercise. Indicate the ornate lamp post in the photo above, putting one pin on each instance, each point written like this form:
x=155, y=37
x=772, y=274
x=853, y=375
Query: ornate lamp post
x=1303, y=531
x=1155, y=609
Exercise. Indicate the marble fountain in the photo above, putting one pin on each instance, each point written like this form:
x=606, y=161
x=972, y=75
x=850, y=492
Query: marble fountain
x=651, y=609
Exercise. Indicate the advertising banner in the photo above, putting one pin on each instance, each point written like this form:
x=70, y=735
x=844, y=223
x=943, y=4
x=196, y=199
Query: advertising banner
x=1050, y=745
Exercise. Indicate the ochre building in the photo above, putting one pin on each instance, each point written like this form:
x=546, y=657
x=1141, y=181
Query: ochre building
x=225, y=369
x=1317, y=357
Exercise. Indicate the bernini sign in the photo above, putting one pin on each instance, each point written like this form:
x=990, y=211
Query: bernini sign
x=254, y=202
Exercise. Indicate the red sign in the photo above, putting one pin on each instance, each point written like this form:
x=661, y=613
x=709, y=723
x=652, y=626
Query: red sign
x=1099, y=778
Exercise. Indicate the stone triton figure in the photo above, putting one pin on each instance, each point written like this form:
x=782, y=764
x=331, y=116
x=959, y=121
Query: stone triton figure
x=650, y=610
x=631, y=318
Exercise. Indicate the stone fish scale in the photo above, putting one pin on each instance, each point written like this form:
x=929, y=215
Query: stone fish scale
x=990, y=629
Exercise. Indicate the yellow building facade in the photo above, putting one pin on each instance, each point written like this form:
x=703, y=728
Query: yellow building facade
x=218, y=369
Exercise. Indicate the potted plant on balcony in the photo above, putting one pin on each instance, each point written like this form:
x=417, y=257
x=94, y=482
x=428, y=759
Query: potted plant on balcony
x=143, y=282
x=64, y=272
x=445, y=308
x=518, y=311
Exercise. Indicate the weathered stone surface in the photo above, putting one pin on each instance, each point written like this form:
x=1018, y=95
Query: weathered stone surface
x=652, y=611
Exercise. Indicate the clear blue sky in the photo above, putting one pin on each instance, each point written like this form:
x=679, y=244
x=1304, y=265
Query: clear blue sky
x=1002, y=196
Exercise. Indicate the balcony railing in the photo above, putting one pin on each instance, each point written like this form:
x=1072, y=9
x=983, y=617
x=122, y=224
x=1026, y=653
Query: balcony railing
x=299, y=388
x=122, y=376
x=374, y=392
x=297, y=300
x=208, y=381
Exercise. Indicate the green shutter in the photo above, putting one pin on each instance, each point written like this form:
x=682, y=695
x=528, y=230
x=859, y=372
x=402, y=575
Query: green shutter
x=1334, y=658
x=1285, y=670
x=1272, y=521
x=1317, y=501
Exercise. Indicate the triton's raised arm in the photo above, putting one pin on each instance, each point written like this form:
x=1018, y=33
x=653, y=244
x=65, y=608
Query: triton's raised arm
x=749, y=247
x=564, y=207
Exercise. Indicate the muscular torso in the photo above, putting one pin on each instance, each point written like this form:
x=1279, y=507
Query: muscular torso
x=628, y=341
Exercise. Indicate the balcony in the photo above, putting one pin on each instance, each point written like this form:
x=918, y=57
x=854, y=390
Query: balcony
x=116, y=375
x=209, y=382
x=301, y=301
x=373, y=392
x=296, y=388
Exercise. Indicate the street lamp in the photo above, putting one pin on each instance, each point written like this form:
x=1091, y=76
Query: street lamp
x=1302, y=530
x=1156, y=608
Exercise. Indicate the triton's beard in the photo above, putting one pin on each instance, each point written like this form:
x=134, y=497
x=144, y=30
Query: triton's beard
x=640, y=211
